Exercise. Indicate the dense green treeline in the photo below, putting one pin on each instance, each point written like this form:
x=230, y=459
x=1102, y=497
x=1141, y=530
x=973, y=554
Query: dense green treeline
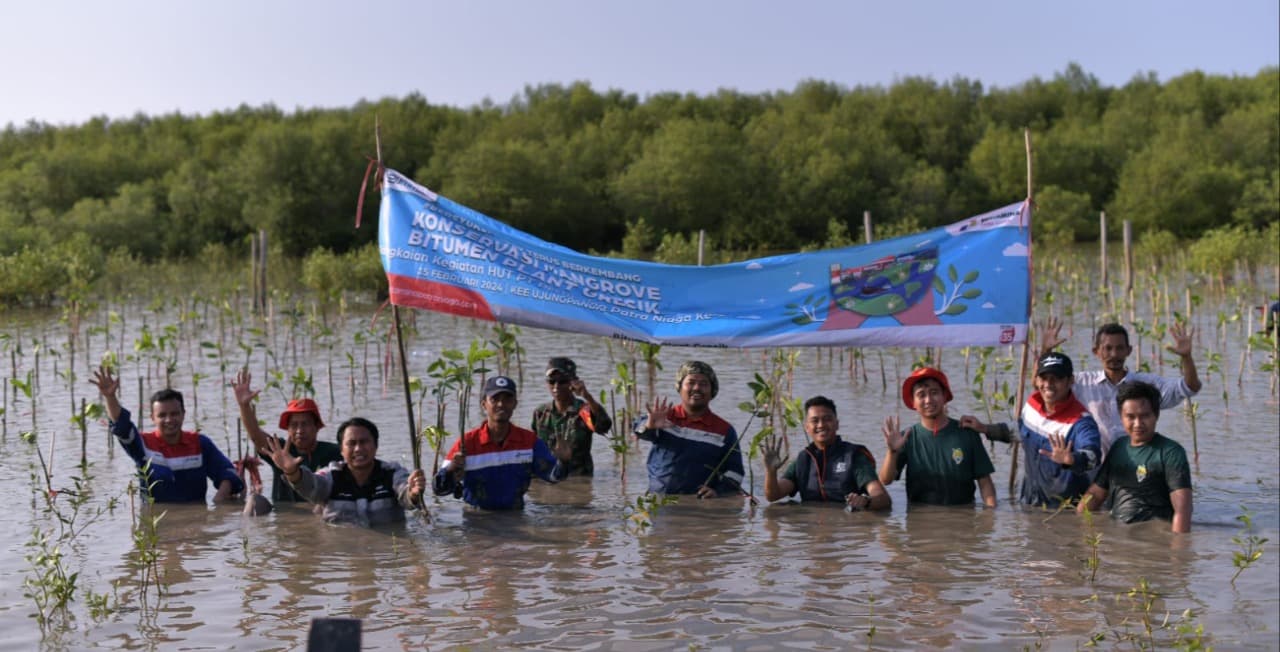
x=583, y=168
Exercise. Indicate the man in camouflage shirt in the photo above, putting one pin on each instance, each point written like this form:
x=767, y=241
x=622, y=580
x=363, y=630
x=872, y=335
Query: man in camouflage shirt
x=573, y=414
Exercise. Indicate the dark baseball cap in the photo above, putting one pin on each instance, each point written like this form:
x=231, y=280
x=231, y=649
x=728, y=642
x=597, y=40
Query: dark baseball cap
x=499, y=384
x=1057, y=364
x=564, y=366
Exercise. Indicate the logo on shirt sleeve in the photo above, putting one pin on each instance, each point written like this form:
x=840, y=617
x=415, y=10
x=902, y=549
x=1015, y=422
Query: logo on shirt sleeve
x=957, y=456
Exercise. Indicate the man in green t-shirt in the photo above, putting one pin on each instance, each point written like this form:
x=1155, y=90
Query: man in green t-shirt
x=1146, y=475
x=943, y=460
x=301, y=419
x=567, y=416
x=829, y=469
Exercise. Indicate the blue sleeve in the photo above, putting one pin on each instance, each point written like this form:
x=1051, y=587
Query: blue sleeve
x=217, y=467
x=1087, y=445
x=545, y=465
x=127, y=434
x=732, y=473
x=647, y=434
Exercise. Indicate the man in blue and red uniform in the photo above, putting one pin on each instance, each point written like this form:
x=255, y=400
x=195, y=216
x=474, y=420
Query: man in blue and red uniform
x=491, y=466
x=694, y=451
x=174, y=463
x=1060, y=440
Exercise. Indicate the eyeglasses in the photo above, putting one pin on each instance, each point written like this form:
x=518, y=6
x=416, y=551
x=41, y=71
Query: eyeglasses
x=558, y=380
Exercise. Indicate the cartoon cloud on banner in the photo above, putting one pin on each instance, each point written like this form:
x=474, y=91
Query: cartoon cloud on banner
x=960, y=285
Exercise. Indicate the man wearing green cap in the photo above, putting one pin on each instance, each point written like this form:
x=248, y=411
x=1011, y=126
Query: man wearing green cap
x=694, y=451
x=569, y=417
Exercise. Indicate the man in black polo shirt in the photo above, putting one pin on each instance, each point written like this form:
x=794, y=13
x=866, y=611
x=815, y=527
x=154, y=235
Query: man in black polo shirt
x=829, y=469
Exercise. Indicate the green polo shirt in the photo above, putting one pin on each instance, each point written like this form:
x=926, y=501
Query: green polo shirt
x=943, y=468
x=1139, y=479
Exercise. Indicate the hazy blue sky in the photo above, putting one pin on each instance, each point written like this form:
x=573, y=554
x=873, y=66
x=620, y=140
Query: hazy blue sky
x=63, y=62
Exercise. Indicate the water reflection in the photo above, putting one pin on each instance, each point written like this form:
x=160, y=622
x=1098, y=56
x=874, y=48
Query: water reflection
x=567, y=572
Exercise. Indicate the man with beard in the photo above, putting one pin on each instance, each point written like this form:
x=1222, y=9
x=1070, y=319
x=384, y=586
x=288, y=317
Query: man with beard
x=1060, y=440
x=1097, y=389
x=1146, y=474
x=491, y=467
x=694, y=451
x=830, y=469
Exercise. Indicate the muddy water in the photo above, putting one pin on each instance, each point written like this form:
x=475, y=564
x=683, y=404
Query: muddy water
x=567, y=572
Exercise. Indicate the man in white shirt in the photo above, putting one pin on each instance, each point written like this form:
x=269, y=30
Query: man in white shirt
x=1097, y=388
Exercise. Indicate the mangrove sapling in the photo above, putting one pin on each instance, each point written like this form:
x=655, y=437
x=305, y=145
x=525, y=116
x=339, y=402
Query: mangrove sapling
x=641, y=514
x=649, y=353
x=1192, y=410
x=619, y=438
x=1250, y=544
x=50, y=585
x=508, y=349
x=1092, y=539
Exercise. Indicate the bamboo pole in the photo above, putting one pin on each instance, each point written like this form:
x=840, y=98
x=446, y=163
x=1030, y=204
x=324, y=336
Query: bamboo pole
x=415, y=443
x=1128, y=268
x=866, y=225
x=1102, y=248
x=1026, y=341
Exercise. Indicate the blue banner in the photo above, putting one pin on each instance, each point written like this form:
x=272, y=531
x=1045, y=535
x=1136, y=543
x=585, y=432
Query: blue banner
x=959, y=285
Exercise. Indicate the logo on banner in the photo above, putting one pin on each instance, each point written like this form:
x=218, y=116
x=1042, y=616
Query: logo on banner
x=1006, y=334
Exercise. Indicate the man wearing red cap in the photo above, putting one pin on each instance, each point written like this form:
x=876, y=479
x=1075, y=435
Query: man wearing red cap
x=943, y=460
x=301, y=419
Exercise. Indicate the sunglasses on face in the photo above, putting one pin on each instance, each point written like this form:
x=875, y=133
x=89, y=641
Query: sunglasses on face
x=559, y=380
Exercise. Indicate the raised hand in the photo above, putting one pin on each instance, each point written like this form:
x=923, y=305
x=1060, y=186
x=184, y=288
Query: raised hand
x=894, y=437
x=659, y=414
x=578, y=387
x=107, y=384
x=1051, y=335
x=279, y=453
x=773, y=459
x=1061, y=453
x=1181, y=340
x=241, y=387
x=562, y=447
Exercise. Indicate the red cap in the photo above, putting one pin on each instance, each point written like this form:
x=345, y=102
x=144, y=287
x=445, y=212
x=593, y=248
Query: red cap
x=300, y=406
x=919, y=375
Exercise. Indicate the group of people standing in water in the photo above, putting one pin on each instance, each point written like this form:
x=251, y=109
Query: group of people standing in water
x=1088, y=439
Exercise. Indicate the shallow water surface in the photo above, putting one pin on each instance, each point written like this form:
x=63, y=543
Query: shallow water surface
x=569, y=573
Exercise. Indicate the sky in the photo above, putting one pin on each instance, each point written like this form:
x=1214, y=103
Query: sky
x=64, y=62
